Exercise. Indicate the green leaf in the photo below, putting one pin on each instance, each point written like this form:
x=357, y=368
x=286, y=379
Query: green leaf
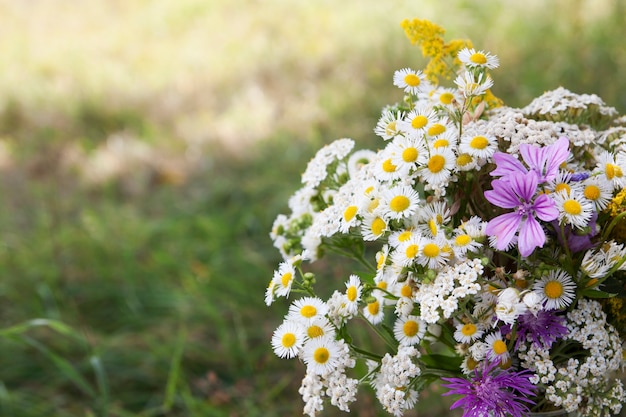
x=596, y=294
x=444, y=362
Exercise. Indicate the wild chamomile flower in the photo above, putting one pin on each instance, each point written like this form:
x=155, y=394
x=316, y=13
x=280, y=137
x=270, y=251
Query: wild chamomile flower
x=283, y=278
x=432, y=217
x=462, y=242
x=384, y=167
x=465, y=162
x=478, y=145
x=497, y=348
x=471, y=58
x=598, y=190
x=307, y=309
x=468, y=332
x=399, y=202
x=563, y=183
x=354, y=288
x=373, y=226
x=412, y=82
x=438, y=128
x=573, y=209
x=402, y=235
x=447, y=97
x=417, y=120
x=373, y=311
x=320, y=327
x=613, y=168
x=433, y=254
x=321, y=355
x=387, y=126
x=437, y=169
x=350, y=217
x=407, y=253
x=408, y=152
x=270, y=293
x=409, y=330
x=288, y=339
x=557, y=289
x=473, y=86
x=447, y=139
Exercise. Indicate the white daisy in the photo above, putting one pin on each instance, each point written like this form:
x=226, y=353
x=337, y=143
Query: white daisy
x=441, y=96
x=373, y=226
x=574, y=209
x=468, y=332
x=432, y=217
x=407, y=253
x=557, y=289
x=398, y=236
x=373, y=311
x=462, y=242
x=417, y=120
x=438, y=168
x=307, y=309
x=478, y=145
x=350, y=217
x=448, y=139
x=598, y=190
x=413, y=82
x=471, y=58
x=497, y=349
x=386, y=127
x=288, y=339
x=399, y=202
x=320, y=327
x=408, y=152
x=353, y=291
x=283, y=279
x=439, y=127
x=270, y=293
x=384, y=167
x=433, y=254
x=613, y=168
x=465, y=162
x=321, y=355
x=409, y=330
x=471, y=86
x=563, y=182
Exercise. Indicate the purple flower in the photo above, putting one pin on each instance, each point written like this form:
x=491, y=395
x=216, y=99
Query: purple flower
x=573, y=238
x=544, y=161
x=492, y=392
x=518, y=193
x=544, y=328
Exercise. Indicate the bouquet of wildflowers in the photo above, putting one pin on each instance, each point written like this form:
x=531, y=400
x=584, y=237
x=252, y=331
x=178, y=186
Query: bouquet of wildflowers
x=484, y=247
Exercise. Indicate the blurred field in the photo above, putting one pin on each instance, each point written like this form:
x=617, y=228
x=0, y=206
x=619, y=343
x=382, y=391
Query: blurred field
x=147, y=146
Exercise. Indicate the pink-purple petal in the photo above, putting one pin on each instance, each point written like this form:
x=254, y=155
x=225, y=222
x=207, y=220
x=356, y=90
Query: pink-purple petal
x=524, y=185
x=557, y=154
x=531, y=235
x=503, y=228
x=502, y=195
x=507, y=164
x=545, y=208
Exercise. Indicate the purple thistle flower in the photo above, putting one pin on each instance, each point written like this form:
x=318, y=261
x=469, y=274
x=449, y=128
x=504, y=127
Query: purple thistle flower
x=492, y=392
x=518, y=193
x=544, y=328
x=544, y=161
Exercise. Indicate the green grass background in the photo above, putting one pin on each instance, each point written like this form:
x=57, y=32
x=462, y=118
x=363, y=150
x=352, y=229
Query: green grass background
x=146, y=148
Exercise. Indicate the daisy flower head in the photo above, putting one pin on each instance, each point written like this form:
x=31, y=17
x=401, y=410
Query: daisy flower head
x=448, y=139
x=613, y=168
x=350, y=217
x=411, y=81
x=478, y=59
x=556, y=289
x=417, y=121
x=468, y=332
x=387, y=126
x=478, y=145
x=465, y=162
x=563, y=182
x=373, y=226
x=442, y=96
x=409, y=330
x=598, y=190
x=307, y=309
x=373, y=311
x=573, y=208
x=437, y=170
x=433, y=254
x=384, y=167
x=433, y=216
x=320, y=327
x=283, y=279
x=497, y=348
x=440, y=127
x=321, y=355
x=288, y=339
x=408, y=151
x=407, y=253
x=473, y=86
x=399, y=202
x=354, y=288
x=463, y=242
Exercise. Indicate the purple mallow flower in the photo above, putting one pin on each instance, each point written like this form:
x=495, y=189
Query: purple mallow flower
x=544, y=161
x=492, y=392
x=519, y=194
x=544, y=328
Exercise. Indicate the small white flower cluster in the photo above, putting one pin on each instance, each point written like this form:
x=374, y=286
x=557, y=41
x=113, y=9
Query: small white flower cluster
x=576, y=384
x=392, y=382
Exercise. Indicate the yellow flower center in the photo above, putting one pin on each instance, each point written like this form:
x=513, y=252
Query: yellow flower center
x=436, y=129
x=553, y=289
x=468, y=329
x=463, y=159
x=419, y=121
x=440, y=143
x=412, y=80
x=478, y=58
x=436, y=163
x=411, y=251
x=349, y=213
x=351, y=293
x=446, y=98
x=373, y=204
x=471, y=363
x=431, y=250
x=315, y=331
x=499, y=347
x=562, y=187
x=378, y=226
x=411, y=328
x=373, y=308
x=409, y=155
x=382, y=284
x=390, y=130
x=404, y=236
x=308, y=311
x=406, y=291
x=572, y=207
x=479, y=142
x=399, y=203
x=592, y=192
x=286, y=278
x=613, y=171
x=368, y=190
x=288, y=340
x=462, y=240
x=432, y=225
x=321, y=355
x=388, y=166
